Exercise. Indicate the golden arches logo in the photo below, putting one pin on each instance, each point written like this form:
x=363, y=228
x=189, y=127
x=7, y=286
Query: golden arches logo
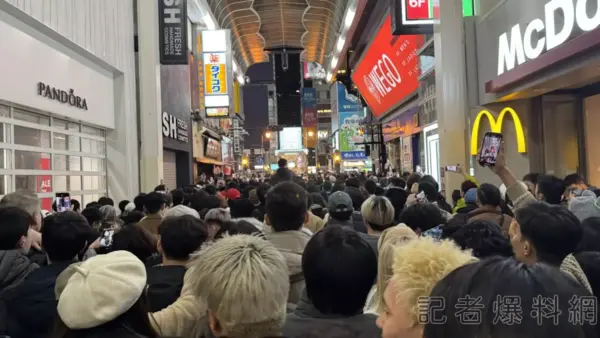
x=496, y=127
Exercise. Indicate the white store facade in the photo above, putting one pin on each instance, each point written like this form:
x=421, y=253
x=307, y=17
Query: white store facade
x=68, y=116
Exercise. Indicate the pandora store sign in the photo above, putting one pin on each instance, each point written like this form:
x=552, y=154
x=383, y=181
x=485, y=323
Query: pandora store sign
x=63, y=96
x=562, y=20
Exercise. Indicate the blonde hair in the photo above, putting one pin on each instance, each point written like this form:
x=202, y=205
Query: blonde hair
x=389, y=240
x=419, y=265
x=244, y=282
x=23, y=199
x=378, y=211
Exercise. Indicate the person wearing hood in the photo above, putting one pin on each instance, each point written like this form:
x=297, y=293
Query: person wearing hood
x=585, y=205
x=340, y=269
x=287, y=212
x=179, y=237
x=470, y=202
x=31, y=306
x=541, y=232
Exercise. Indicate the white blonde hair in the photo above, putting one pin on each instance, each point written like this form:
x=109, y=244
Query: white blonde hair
x=378, y=210
x=23, y=199
x=244, y=281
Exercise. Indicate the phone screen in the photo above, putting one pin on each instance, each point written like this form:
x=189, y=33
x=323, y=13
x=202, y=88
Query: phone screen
x=107, y=238
x=452, y=168
x=63, y=202
x=490, y=149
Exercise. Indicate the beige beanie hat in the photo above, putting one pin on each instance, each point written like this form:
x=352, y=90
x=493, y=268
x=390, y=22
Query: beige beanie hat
x=100, y=289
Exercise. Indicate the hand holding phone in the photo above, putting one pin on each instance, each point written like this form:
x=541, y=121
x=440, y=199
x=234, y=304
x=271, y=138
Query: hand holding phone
x=452, y=168
x=490, y=148
x=63, y=201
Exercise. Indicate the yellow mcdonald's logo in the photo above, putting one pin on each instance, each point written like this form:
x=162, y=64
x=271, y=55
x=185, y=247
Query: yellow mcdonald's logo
x=496, y=126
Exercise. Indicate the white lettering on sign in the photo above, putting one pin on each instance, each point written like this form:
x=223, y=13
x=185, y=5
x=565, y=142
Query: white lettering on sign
x=518, y=48
x=416, y=3
x=382, y=78
x=172, y=15
x=174, y=128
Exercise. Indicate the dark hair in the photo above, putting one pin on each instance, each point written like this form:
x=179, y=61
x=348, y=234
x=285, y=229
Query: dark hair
x=178, y=196
x=573, y=179
x=286, y=206
x=357, y=197
x=489, y=283
x=338, y=186
x=106, y=201
x=136, y=240
x=198, y=200
x=484, y=238
x=317, y=198
x=154, y=201
x=327, y=185
x=412, y=179
x=93, y=205
x=239, y=227
x=139, y=201
x=398, y=198
x=456, y=196
x=398, y=182
x=210, y=189
x=552, y=188
x=282, y=162
x=240, y=208
x=489, y=194
x=429, y=189
x=92, y=215
x=261, y=192
x=14, y=224
x=132, y=217
x=590, y=239
x=532, y=177
x=65, y=235
x=467, y=185
x=181, y=236
x=353, y=182
x=136, y=319
x=332, y=257
x=76, y=206
x=422, y=216
x=371, y=187
x=122, y=205
x=552, y=229
x=160, y=187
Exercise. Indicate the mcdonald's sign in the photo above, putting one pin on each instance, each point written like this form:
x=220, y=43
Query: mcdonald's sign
x=496, y=126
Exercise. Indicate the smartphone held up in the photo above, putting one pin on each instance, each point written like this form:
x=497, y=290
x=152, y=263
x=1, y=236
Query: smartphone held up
x=63, y=201
x=490, y=148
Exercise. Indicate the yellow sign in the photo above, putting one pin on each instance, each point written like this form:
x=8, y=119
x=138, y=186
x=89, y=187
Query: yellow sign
x=216, y=82
x=496, y=127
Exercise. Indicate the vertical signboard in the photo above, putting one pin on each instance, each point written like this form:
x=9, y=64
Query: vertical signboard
x=309, y=107
x=200, y=71
x=333, y=91
x=173, y=24
x=218, y=69
x=351, y=113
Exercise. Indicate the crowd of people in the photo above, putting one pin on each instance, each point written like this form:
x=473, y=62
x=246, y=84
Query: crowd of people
x=328, y=255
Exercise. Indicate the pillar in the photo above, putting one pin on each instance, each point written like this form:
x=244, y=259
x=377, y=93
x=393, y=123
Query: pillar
x=451, y=91
x=151, y=143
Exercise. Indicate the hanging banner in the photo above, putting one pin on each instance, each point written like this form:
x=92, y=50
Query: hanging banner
x=351, y=114
x=309, y=107
x=172, y=32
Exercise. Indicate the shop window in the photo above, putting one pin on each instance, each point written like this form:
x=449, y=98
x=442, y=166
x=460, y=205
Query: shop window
x=561, y=150
x=67, y=183
x=5, y=133
x=93, y=146
x=65, y=125
x=90, y=198
x=22, y=115
x=4, y=111
x=94, y=183
x=92, y=164
x=66, y=162
x=64, y=142
x=39, y=183
x=5, y=184
x=32, y=137
x=92, y=131
x=5, y=159
x=32, y=160
x=592, y=137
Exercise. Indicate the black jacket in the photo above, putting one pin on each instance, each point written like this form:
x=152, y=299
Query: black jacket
x=397, y=197
x=164, y=285
x=14, y=268
x=31, y=306
x=306, y=319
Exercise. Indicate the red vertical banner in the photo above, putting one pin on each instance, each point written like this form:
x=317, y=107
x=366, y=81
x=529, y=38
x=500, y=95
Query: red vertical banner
x=44, y=182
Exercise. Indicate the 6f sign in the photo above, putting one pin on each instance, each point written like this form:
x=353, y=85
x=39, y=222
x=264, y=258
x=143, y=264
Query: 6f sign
x=541, y=35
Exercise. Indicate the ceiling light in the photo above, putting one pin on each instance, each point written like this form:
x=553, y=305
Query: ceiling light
x=334, y=62
x=340, y=43
x=209, y=22
x=349, y=17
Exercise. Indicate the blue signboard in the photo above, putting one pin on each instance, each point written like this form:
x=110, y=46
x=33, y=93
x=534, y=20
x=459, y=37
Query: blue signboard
x=351, y=114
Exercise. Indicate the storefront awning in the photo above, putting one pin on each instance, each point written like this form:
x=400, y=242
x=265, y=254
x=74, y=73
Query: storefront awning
x=207, y=160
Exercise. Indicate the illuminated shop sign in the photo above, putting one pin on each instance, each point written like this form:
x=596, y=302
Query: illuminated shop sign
x=496, y=127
